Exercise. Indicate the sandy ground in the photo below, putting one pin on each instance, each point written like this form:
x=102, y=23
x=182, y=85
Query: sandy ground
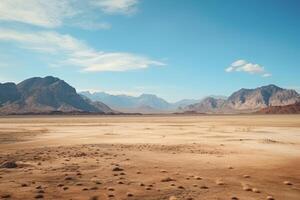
x=151, y=157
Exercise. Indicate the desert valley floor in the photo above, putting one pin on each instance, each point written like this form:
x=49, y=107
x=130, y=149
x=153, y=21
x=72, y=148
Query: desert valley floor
x=246, y=157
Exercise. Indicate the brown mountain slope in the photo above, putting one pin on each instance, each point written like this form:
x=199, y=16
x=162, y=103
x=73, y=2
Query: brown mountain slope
x=288, y=109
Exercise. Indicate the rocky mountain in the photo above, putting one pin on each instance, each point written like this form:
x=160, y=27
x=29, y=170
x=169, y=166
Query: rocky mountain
x=270, y=95
x=45, y=95
x=247, y=100
x=207, y=105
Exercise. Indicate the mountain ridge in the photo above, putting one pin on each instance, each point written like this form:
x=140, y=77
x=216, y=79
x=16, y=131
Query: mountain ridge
x=45, y=95
x=287, y=109
x=247, y=100
x=144, y=103
x=51, y=94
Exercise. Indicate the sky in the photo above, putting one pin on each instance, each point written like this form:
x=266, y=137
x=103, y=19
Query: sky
x=176, y=49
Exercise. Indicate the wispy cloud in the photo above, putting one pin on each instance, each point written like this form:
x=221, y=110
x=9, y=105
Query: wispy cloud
x=116, y=6
x=42, y=13
x=74, y=52
x=90, y=25
x=251, y=68
x=54, y=13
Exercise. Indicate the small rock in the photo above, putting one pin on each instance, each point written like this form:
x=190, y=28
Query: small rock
x=246, y=188
x=68, y=178
x=168, y=179
x=117, y=169
x=270, y=198
x=9, y=165
x=94, y=188
x=287, y=183
x=220, y=182
x=142, y=184
x=255, y=190
x=94, y=198
x=5, y=196
x=180, y=187
x=129, y=194
x=39, y=196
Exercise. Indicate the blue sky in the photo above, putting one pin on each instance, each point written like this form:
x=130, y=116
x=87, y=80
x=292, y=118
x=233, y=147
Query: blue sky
x=175, y=49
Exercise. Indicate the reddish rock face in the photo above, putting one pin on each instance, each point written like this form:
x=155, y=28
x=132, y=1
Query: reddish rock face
x=289, y=109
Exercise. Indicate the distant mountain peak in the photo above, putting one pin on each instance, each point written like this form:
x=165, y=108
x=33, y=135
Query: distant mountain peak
x=147, y=95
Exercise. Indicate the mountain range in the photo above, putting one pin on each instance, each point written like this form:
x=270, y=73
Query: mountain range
x=45, y=95
x=145, y=103
x=52, y=95
x=246, y=101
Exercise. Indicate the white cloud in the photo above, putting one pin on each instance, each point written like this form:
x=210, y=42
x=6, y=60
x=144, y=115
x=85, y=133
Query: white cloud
x=267, y=75
x=239, y=63
x=116, y=6
x=118, y=62
x=36, y=12
x=244, y=66
x=90, y=25
x=74, y=52
x=54, y=13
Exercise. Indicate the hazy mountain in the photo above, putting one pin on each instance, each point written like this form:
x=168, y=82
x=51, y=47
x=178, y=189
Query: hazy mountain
x=145, y=103
x=185, y=102
x=44, y=95
x=247, y=100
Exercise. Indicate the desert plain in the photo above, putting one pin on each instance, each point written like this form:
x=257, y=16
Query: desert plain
x=167, y=157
